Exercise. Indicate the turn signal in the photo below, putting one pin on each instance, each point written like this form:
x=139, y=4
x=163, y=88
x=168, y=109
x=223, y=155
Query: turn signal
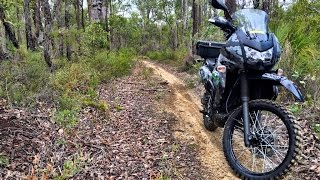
x=222, y=69
x=280, y=72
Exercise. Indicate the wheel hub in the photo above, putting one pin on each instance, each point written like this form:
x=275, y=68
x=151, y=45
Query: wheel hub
x=263, y=140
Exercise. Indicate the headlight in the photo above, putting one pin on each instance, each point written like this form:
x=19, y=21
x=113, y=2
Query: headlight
x=255, y=56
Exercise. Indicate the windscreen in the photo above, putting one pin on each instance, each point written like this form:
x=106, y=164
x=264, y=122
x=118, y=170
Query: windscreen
x=251, y=21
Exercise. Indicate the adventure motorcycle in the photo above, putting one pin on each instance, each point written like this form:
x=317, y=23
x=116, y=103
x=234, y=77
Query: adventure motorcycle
x=261, y=139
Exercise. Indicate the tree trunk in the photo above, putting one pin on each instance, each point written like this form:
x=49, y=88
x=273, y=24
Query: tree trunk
x=82, y=15
x=107, y=28
x=110, y=10
x=195, y=17
x=18, y=27
x=232, y=5
x=48, y=28
x=256, y=4
x=264, y=5
x=77, y=8
x=8, y=28
x=58, y=11
x=185, y=15
x=200, y=14
x=29, y=36
x=107, y=15
x=89, y=9
x=67, y=26
x=37, y=20
x=3, y=49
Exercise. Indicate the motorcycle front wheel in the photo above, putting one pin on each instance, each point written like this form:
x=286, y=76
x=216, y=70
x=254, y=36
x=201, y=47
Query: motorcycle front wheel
x=275, y=141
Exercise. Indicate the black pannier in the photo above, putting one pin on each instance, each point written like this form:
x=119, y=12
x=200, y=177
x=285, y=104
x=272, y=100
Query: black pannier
x=208, y=49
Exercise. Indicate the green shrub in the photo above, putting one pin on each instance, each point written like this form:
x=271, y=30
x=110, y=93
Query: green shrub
x=317, y=129
x=24, y=82
x=71, y=87
x=76, y=84
x=4, y=160
x=174, y=58
x=162, y=55
x=67, y=118
x=300, y=40
x=75, y=78
x=71, y=167
x=112, y=65
x=95, y=37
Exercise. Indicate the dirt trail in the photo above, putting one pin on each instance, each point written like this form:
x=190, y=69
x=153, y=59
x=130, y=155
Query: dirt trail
x=185, y=105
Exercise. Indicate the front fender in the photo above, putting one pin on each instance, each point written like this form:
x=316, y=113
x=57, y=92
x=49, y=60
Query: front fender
x=284, y=81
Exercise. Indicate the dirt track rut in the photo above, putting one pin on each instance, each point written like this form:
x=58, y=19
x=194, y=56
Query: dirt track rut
x=186, y=105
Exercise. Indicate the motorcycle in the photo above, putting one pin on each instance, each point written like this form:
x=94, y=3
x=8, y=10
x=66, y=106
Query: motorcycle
x=261, y=138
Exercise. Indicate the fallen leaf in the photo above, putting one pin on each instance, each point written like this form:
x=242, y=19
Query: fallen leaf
x=36, y=159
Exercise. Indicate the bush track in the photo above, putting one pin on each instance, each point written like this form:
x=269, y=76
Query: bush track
x=185, y=105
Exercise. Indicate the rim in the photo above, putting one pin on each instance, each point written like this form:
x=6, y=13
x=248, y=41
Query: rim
x=270, y=142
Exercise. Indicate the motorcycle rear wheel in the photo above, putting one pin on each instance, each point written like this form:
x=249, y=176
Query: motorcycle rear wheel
x=275, y=146
x=208, y=120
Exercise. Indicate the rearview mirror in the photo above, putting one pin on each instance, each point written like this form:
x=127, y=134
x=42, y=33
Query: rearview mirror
x=218, y=4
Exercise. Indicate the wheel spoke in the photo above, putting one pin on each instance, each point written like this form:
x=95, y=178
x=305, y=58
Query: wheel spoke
x=268, y=146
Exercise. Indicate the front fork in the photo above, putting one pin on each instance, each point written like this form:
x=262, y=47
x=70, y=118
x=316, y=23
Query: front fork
x=245, y=106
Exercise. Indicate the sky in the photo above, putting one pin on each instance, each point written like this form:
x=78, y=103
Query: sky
x=283, y=1
x=133, y=9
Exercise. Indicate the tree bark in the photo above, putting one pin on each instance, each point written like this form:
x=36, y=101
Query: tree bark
x=232, y=6
x=89, y=9
x=29, y=36
x=195, y=17
x=3, y=49
x=67, y=26
x=185, y=15
x=107, y=28
x=107, y=16
x=8, y=28
x=58, y=11
x=48, y=28
x=18, y=28
x=37, y=20
x=82, y=15
x=256, y=4
x=265, y=5
x=110, y=10
x=78, y=21
x=77, y=8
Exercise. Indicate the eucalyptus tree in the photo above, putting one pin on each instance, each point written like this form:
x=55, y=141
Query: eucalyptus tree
x=31, y=44
x=48, y=29
x=7, y=32
x=67, y=26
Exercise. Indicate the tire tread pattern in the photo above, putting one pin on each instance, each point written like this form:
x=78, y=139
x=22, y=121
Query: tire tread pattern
x=297, y=134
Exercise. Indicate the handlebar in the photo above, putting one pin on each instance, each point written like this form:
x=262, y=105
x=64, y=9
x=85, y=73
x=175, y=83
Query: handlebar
x=224, y=25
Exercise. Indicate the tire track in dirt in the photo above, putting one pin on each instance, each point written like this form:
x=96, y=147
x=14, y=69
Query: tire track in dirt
x=185, y=105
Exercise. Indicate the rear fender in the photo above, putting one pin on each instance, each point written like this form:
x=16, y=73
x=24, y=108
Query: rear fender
x=285, y=82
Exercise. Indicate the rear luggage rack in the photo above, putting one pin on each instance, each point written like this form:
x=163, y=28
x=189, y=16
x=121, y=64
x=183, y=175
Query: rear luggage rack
x=209, y=49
